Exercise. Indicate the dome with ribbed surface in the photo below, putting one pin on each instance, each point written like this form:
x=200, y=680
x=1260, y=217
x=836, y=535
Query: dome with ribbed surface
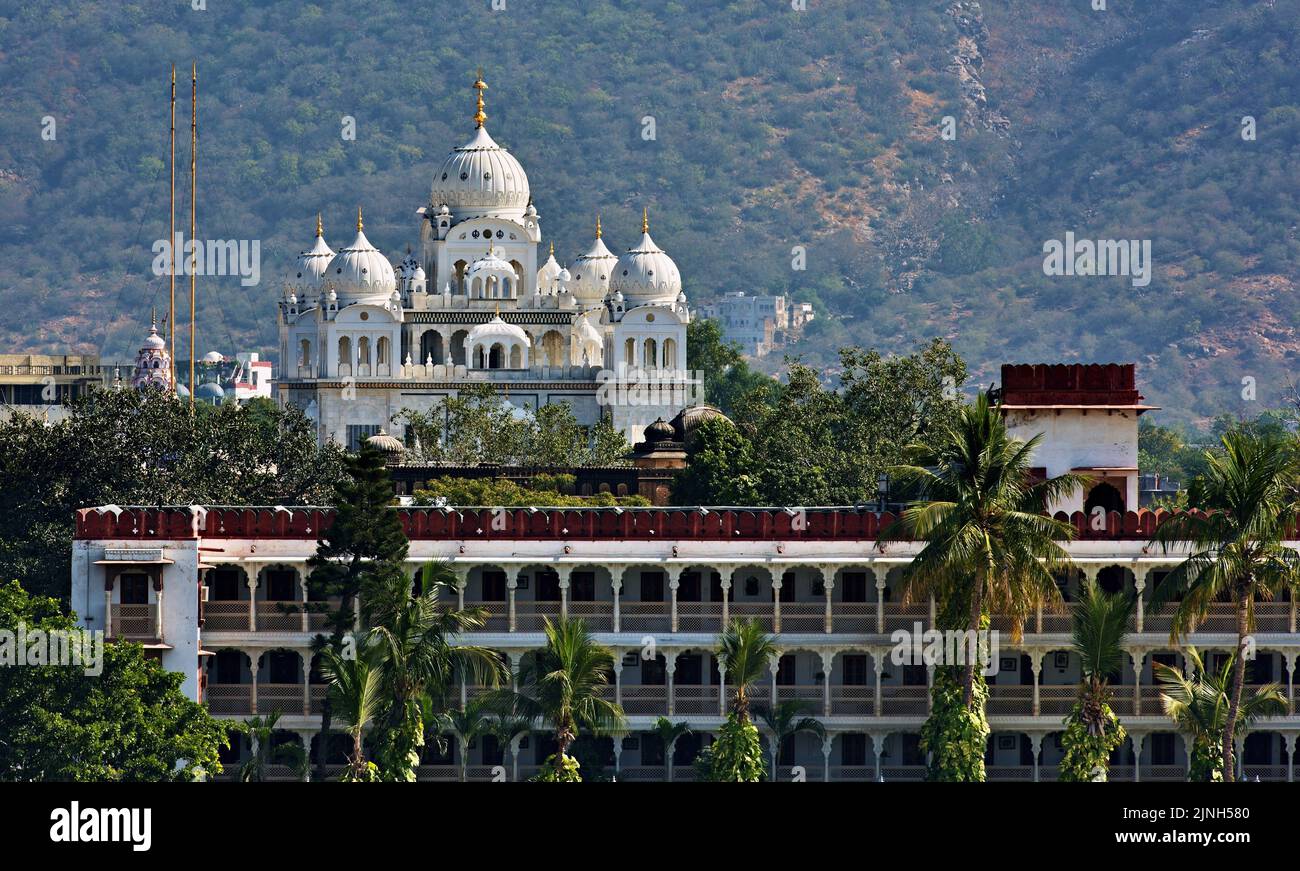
x=591, y=273
x=309, y=268
x=481, y=179
x=645, y=274
x=360, y=271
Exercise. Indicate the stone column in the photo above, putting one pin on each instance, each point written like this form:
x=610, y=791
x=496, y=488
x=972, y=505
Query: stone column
x=1137, y=657
x=670, y=669
x=254, y=664
x=1036, y=744
x=827, y=743
x=776, y=603
x=674, y=582
x=564, y=572
x=462, y=583
x=722, y=689
x=1036, y=666
x=512, y=584
x=252, y=569
x=773, y=663
x=828, y=664
x=1138, y=739
x=1288, y=741
x=877, y=749
x=725, y=583
x=1139, y=586
x=305, y=738
x=158, y=609
x=1289, y=658
x=110, y=578
x=618, y=676
x=878, y=658
x=880, y=598
x=828, y=587
x=306, y=683
x=616, y=585
x=618, y=754
x=306, y=616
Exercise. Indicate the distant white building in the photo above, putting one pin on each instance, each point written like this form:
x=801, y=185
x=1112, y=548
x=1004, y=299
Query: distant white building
x=758, y=324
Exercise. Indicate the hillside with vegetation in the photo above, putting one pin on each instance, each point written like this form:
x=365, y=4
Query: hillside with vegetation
x=776, y=131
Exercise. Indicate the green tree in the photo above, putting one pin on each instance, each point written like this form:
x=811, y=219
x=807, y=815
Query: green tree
x=130, y=722
x=727, y=377
x=784, y=720
x=564, y=684
x=718, y=472
x=1092, y=731
x=1247, y=501
x=989, y=545
x=418, y=659
x=131, y=448
x=744, y=650
x=264, y=750
x=1200, y=705
x=468, y=723
x=365, y=539
x=668, y=733
x=356, y=697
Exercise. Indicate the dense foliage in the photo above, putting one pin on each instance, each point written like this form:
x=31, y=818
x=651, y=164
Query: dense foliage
x=478, y=426
x=736, y=755
x=130, y=448
x=1092, y=730
x=131, y=722
x=955, y=734
x=544, y=491
x=802, y=443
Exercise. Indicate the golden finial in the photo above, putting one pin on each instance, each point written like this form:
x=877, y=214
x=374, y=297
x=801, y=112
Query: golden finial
x=645, y=220
x=320, y=228
x=598, y=225
x=479, y=85
x=552, y=249
x=359, y=224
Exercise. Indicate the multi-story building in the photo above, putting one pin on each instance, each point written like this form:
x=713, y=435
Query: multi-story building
x=42, y=384
x=219, y=594
x=752, y=322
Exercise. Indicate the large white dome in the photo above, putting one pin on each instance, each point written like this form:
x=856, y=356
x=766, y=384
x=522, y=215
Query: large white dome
x=360, y=271
x=645, y=274
x=481, y=179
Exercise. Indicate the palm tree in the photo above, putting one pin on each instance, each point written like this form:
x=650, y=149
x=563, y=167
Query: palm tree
x=786, y=719
x=468, y=724
x=669, y=732
x=1200, y=705
x=261, y=734
x=1246, y=502
x=989, y=544
x=356, y=696
x=744, y=650
x=1093, y=730
x=417, y=658
x=564, y=684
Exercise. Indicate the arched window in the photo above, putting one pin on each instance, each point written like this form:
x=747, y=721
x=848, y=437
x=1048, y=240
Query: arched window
x=1106, y=496
x=460, y=267
x=496, y=357
x=629, y=352
x=457, y=349
x=345, y=351
x=305, y=347
x=381, y=351
x=651, y=354
x=670, y=353
x=363, y=351
x=518, y=283
x=431, y=346
x=516, y=357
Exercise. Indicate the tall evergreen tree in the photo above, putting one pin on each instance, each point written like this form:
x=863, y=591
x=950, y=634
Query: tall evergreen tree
x=366, y=538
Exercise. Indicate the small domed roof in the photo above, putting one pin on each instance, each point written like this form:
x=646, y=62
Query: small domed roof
x=660, y=431
x=360, y=270
x=153, y=341
x=213, y=357
x=688, y=419
x=592, y=271
x=309, y=268
x=386, y=443
x=210, y=390
x=498, y=329
x=646, y=274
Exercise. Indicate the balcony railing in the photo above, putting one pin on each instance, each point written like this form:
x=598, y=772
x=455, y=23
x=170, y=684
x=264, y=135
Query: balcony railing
x=135, y=622
x=227, y=615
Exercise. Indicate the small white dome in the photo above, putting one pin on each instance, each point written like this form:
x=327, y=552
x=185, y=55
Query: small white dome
x=549, y=274
x=309, y=268
x=360, y=271
x=645, y=274
x=497, y=329
x=592, y=271
x=213, y=357
x=154, y=342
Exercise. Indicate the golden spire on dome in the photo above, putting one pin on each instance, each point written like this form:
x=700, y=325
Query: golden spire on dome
x=598, y=225
x=552, y=249
x=645, y=220
x=320, y=228
x=359, y=224
x=479, y=85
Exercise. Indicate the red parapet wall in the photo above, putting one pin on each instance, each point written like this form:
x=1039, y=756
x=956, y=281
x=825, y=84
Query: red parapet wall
x=554, y=524
x=1070, y=384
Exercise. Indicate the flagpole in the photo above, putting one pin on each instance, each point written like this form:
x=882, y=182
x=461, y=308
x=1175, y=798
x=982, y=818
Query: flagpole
x=171, y=244
x=194, y=149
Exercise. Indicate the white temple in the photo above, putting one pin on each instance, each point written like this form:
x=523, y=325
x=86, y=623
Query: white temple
x=361, y=340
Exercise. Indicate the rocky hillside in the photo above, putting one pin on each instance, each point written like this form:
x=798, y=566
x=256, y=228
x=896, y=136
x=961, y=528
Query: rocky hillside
x=775, y=129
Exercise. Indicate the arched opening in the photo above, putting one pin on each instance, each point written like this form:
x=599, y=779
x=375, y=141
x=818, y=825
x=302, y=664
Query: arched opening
x=460, y=267
x=382, y=352
x=496, y=357
x=304, y=358
x=670, y=354
x=553, y=347
x=1104, y=495
x=363, y=351
x=457, y=349
x=519, y=277
x=629, y=352
x=476, y=288
x=651, y=354
x=345, y=355
x=516, y=357
x=431, y=347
